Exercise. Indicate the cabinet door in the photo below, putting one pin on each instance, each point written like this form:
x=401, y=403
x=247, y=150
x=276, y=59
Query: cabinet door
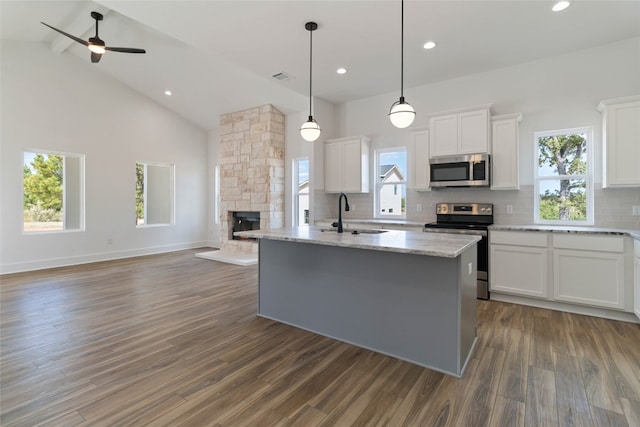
x=473, y=132
x=623, y=144
x=520, y=270
x=333, y=167
x=443, y=132
x=352, y=166
x=504, y=160
x=419, y=160
x=589, y=277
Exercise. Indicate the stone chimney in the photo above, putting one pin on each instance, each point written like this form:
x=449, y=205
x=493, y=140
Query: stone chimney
x=251, y=170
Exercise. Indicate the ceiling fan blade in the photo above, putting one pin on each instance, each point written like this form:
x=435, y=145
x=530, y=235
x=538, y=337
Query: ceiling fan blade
x=126, y=49
x=95, y=57
x=79, y=40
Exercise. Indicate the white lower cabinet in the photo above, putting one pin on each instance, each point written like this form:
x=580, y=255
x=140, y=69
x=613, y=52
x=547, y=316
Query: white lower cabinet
x=518, y=263
x=636, y=290
x=589, y=270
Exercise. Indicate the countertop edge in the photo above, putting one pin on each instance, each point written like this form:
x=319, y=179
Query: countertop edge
x=281, y=235
x=565, y=229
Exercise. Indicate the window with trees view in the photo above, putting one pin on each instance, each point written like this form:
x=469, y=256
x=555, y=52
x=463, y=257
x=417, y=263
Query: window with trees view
x=391, y=183
x=53, y=191
x=154, y=194
x=563, y=183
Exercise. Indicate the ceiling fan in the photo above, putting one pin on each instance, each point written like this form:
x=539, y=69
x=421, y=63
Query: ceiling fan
x=95, y=44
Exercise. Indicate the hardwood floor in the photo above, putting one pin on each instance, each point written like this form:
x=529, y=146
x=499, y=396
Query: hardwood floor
x=174, y=340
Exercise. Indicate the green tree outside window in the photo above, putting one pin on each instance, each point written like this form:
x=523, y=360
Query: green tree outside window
x=562, y=176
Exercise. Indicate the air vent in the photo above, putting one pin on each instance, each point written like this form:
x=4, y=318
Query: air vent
x=283, y=76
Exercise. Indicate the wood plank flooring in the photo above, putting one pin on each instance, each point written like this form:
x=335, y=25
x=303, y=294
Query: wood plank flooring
x=172, y=339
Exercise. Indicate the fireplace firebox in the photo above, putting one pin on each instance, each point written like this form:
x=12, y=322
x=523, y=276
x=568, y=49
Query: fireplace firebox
x=244, y=221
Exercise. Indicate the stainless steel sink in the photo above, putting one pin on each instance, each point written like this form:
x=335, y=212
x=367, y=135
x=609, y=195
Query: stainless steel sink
x=355, y=231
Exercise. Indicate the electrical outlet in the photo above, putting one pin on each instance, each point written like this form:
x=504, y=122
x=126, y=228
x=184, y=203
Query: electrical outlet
x=509, y=209
x=419, y=207
x=109, y=241
x=470, y=268
x=636, y=210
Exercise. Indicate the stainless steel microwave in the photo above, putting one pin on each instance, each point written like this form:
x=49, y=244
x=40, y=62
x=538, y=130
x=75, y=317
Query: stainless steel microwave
x=471, y=170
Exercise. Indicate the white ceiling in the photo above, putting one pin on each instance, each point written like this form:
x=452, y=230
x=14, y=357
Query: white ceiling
x=219, y=56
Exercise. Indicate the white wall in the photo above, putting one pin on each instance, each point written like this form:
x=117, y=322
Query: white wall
x=553, y=93
x=295, y=147
x=214, y=226
x=60, y=103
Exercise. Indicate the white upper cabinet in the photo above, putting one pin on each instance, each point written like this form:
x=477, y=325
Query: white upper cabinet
x=444, y=135
x=346, y=165
x=462, y=131
x=621, y=142
x=504, y=146
x=419, y=160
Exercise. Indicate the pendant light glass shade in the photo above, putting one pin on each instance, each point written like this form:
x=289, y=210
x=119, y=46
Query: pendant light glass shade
x=310, y=130
x=401, y=113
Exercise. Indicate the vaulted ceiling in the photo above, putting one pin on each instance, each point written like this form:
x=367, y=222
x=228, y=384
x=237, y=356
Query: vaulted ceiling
x=220, y=56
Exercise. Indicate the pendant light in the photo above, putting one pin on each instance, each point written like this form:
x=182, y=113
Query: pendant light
x=401, y=113
x=310, y=130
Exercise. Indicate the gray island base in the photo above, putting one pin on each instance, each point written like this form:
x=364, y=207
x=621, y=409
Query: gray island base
x=415, y=307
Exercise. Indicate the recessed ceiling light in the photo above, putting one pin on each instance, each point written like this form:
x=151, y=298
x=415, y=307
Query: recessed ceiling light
x=168, y=92
x=561, y=5
x=429, y=45
x=341, y=70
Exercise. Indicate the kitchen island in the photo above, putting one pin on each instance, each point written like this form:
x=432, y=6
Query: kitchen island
x=406, y=294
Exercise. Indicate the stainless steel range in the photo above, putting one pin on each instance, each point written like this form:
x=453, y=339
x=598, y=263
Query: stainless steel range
x=467, y=218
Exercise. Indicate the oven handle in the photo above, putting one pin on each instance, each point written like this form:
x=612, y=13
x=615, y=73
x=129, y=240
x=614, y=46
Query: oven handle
x=483, y=233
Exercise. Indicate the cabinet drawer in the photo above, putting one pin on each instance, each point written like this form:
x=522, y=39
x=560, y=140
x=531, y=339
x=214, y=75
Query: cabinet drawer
x=587, y=242
x=519, y=238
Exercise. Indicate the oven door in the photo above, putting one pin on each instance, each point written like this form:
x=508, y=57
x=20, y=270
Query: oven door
x=483, y=254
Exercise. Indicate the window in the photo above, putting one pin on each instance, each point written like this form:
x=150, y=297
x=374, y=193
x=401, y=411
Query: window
x=53, y=190
x=301, y=191
x=391, y=188
x=154, y=194
x=563, y=179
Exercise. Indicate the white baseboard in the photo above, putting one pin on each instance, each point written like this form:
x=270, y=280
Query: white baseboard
x=103, y=256
x=569, y=308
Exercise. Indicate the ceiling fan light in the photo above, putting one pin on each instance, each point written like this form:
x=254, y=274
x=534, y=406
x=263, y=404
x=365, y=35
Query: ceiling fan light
x=96, y=45
x=310, y=130
x=401, y=114
x=96, y=49
x=561, y=5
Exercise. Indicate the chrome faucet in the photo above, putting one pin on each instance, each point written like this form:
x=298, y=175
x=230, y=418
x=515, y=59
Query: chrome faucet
x=346, y=209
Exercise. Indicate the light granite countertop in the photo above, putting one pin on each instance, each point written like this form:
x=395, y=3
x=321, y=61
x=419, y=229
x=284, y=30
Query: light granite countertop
x=409, y=242
x=353, y=221
x=567, y=229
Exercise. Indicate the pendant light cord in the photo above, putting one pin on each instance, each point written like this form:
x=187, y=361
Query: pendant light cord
x=402, y=51
x=310, y=68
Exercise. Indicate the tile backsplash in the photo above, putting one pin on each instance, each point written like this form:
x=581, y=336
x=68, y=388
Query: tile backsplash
x=613, y=207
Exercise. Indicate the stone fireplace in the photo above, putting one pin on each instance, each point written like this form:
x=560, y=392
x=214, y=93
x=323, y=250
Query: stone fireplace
x=251, y=171
x=243, y=221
